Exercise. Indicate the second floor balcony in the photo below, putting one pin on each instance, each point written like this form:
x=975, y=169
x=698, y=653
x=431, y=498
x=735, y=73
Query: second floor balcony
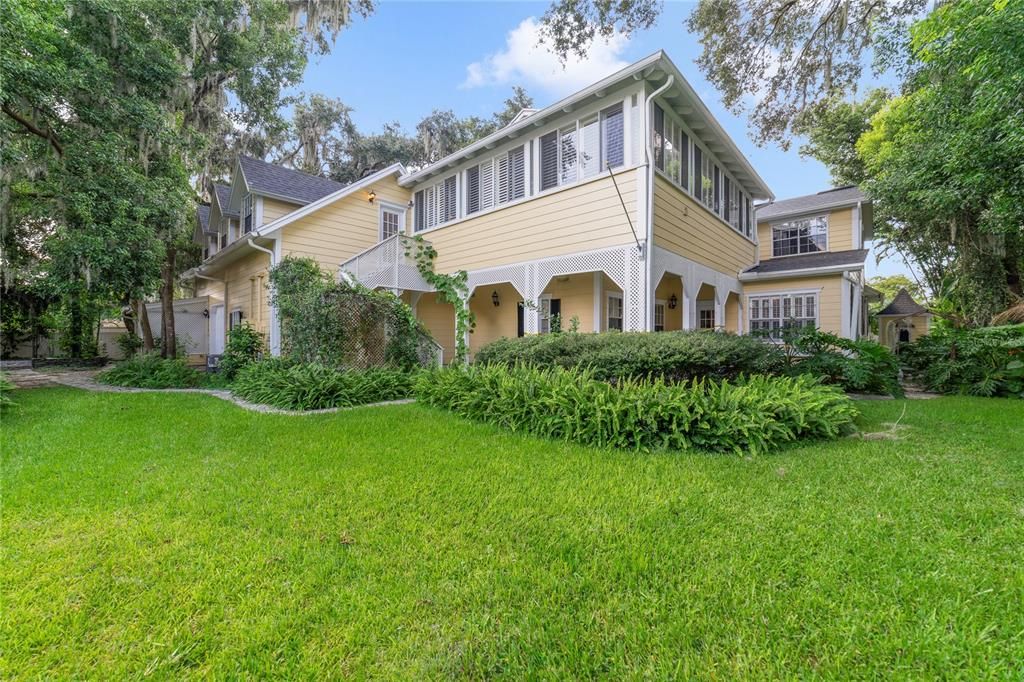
x=389, y=264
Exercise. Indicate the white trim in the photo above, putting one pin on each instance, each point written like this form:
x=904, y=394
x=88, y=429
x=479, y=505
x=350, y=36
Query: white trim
x=701, y=205
x=797, y=213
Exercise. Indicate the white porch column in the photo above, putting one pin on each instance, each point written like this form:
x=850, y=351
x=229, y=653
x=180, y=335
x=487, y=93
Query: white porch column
x=531, y=309
x=689, y=304
x=721, y=294
x=598, y=300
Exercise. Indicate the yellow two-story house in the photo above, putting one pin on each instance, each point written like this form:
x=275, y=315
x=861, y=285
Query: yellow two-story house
x=625, y=206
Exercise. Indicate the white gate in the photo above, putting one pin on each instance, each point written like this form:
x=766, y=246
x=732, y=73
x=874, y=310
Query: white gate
x=191, y=323
x=217, y=329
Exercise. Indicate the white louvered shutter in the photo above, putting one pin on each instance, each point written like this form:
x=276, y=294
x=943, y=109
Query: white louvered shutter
x=590, y=146
x=549, y=160
x=613, y=136
x=487, y=184
x=569, y=156
x=517, y=173
x=450, y=199
x=473, y=190
x=502, y=178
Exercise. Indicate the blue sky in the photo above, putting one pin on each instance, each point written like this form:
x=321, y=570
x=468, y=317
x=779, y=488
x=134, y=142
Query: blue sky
x=409, y=58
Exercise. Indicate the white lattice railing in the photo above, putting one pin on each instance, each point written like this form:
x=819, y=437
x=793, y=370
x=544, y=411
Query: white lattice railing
x=387, y=265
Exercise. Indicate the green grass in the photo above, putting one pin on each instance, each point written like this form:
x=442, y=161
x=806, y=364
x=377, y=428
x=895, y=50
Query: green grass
x=176, y=535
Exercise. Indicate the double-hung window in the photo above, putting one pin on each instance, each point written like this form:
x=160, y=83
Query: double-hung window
x=615, y=311
x=247, y=212
x=770, y=315
x=436, y=204
x=659, y=316
x=498, y=180
x=809, y=235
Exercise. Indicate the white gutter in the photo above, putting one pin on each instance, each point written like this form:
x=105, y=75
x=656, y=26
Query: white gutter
x=649, y=218
x=273, y=259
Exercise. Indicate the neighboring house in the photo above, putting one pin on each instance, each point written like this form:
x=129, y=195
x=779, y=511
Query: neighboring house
x=810, y=264
x=904, y=320
x=624, y=206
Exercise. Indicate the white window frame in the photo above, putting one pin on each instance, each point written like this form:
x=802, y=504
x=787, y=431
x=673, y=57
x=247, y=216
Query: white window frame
x=780, y=295
x=386, y=207
x=659, y=303
x=703, y=307
x=248, y=211
x=789, y=221
x=544, y=318
x=614, y=295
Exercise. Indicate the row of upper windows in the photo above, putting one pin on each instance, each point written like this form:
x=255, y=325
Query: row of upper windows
x=571, y=153
x=795, y=237
x=691, y=168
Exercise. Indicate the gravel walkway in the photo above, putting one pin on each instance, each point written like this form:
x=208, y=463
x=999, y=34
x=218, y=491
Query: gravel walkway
x=86, y=380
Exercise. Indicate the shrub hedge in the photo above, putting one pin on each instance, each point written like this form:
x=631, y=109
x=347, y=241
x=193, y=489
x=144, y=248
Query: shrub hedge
x=244, y=346
x=152, y=371
x=986, y=362
x=752, y=415
x=312, y=386
x=675, y=356
x=862, y=365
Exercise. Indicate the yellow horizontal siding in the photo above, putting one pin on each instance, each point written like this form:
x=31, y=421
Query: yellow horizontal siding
x=340, y=230
x=247, y=290
x=829, y=297
x=274, y=209
x=683, y=226
x=580, y=218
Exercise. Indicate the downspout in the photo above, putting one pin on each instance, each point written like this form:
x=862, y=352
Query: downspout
x=275, y=333
x=649, y=227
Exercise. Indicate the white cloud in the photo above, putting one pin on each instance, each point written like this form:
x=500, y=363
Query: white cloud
x=524, y=61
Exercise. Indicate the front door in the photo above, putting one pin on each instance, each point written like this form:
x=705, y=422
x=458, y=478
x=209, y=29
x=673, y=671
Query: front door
x=216, y=329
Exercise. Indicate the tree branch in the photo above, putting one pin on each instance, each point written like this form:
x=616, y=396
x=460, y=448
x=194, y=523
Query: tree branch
x=34, y=129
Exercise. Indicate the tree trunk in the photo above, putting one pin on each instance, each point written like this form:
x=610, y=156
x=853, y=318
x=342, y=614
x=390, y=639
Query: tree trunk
x=147, y=330
x=170, y=345
x=75, y=328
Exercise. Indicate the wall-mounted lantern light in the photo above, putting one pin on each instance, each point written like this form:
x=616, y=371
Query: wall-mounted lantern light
x=673, y=301
x=494, y=298
x=373, y=195
x=206, y=312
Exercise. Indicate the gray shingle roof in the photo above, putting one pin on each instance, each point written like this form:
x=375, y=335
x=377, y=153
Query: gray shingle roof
x=825, y=259
x=203, y=213
x=302, y=188
x=830, y=198
x=903, y=304
x=223, y=197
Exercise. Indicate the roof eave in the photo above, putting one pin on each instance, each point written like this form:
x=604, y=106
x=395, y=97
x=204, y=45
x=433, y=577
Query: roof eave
x=800, y=272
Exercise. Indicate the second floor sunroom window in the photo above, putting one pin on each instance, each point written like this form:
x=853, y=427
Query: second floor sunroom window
x=582, y=149
x=791, y=238
x=496, y=181
x=437, y=204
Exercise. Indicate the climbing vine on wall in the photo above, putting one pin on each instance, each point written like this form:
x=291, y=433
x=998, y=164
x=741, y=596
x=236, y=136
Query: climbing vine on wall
x=453, y=288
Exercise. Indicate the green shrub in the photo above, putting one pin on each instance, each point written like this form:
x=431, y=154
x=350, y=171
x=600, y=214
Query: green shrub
x=312, y=386
x=675, y=356
x=986, y=362
x=6, y=387
x=752, y=415
x=129, y=343
x=244, y=345
x=862, y=365
x=151, y=371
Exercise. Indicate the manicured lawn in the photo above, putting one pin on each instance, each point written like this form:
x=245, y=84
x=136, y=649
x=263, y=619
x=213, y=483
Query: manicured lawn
x=178, y=535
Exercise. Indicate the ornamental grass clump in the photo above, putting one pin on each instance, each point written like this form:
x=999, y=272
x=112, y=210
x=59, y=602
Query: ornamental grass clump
x=750, y=415
x=312, y=386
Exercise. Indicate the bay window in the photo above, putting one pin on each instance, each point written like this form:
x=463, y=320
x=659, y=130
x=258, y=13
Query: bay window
x=809, y=235
x=770, y=315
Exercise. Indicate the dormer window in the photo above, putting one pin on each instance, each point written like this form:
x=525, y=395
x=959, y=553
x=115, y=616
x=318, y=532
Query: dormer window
x=247, y=212
x=794, y=237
